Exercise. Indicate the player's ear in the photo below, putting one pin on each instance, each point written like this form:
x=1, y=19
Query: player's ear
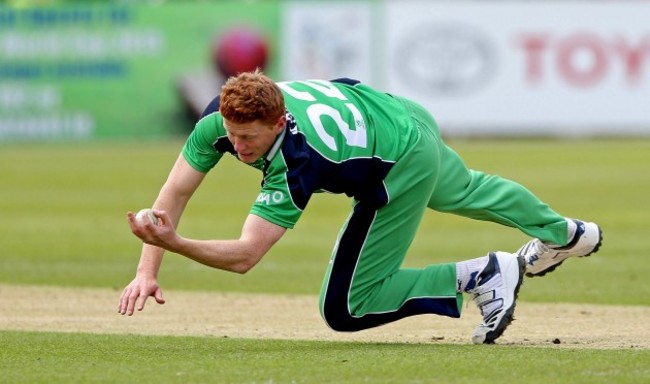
x=279, y=125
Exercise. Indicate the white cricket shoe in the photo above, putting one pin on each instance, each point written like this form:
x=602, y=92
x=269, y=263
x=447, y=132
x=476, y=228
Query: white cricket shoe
x=543, y=258
x=495, y=294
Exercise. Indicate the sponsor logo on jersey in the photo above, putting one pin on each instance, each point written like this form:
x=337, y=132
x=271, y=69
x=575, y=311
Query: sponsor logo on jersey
x=272, y=198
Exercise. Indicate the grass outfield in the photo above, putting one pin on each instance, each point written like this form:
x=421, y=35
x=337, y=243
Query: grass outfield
x=63, y=223
x=83, y=358
x=63, y=218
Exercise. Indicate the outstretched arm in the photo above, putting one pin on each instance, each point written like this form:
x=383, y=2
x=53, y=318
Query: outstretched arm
x=181, y=183
x=257, y=237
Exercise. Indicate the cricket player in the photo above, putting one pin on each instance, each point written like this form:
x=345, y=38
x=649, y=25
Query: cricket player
x=386, y=153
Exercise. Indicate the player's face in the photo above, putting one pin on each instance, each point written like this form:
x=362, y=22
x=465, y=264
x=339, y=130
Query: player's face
x=252, y=140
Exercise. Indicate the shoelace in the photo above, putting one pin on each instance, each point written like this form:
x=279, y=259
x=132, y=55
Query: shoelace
x=540, y=247
x=536, y=245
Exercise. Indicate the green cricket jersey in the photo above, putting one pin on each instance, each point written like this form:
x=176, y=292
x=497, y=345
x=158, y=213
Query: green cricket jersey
x=340, y=137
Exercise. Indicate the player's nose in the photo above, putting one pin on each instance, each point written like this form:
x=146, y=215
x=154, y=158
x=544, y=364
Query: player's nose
x=238, y=145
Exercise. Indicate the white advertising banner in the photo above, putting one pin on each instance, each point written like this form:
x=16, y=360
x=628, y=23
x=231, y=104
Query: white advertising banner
x=327, y=40
x=522, y=68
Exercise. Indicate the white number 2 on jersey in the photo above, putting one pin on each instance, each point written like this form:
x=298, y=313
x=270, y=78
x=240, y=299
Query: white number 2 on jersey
x=353, y=137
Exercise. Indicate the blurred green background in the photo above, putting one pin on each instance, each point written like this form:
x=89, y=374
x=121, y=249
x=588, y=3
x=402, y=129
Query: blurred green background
x=115, y=70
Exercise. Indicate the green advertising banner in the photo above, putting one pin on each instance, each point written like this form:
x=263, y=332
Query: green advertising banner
x=110, y=71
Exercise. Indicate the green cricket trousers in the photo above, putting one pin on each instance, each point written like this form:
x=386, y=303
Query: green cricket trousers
x=365, y=285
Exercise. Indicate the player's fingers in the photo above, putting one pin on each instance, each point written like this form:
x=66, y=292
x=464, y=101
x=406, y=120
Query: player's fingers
x=130, y=217
x=159, y=296
x=143, y=300
x=161, y=215
x=120, y=305
x=124, y=300
x=138, y=227
x=132, y=299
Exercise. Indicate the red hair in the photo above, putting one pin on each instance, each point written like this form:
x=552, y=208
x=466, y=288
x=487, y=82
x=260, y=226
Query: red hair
x=251, y=96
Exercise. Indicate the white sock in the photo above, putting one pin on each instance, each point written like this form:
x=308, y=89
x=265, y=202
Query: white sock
x=467, y=272
x=572, y=227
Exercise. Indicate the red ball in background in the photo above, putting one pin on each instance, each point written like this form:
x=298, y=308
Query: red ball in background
x=240, y=50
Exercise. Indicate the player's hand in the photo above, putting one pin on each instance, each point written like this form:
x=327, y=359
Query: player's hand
x=161, y=235
x=136, y=293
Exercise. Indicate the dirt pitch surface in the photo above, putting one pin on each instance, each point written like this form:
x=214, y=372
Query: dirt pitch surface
x=264, y=316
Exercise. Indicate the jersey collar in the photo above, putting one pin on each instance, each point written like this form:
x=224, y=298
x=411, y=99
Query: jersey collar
x=276, y=145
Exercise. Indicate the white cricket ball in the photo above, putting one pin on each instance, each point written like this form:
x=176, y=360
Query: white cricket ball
x=148, y=212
